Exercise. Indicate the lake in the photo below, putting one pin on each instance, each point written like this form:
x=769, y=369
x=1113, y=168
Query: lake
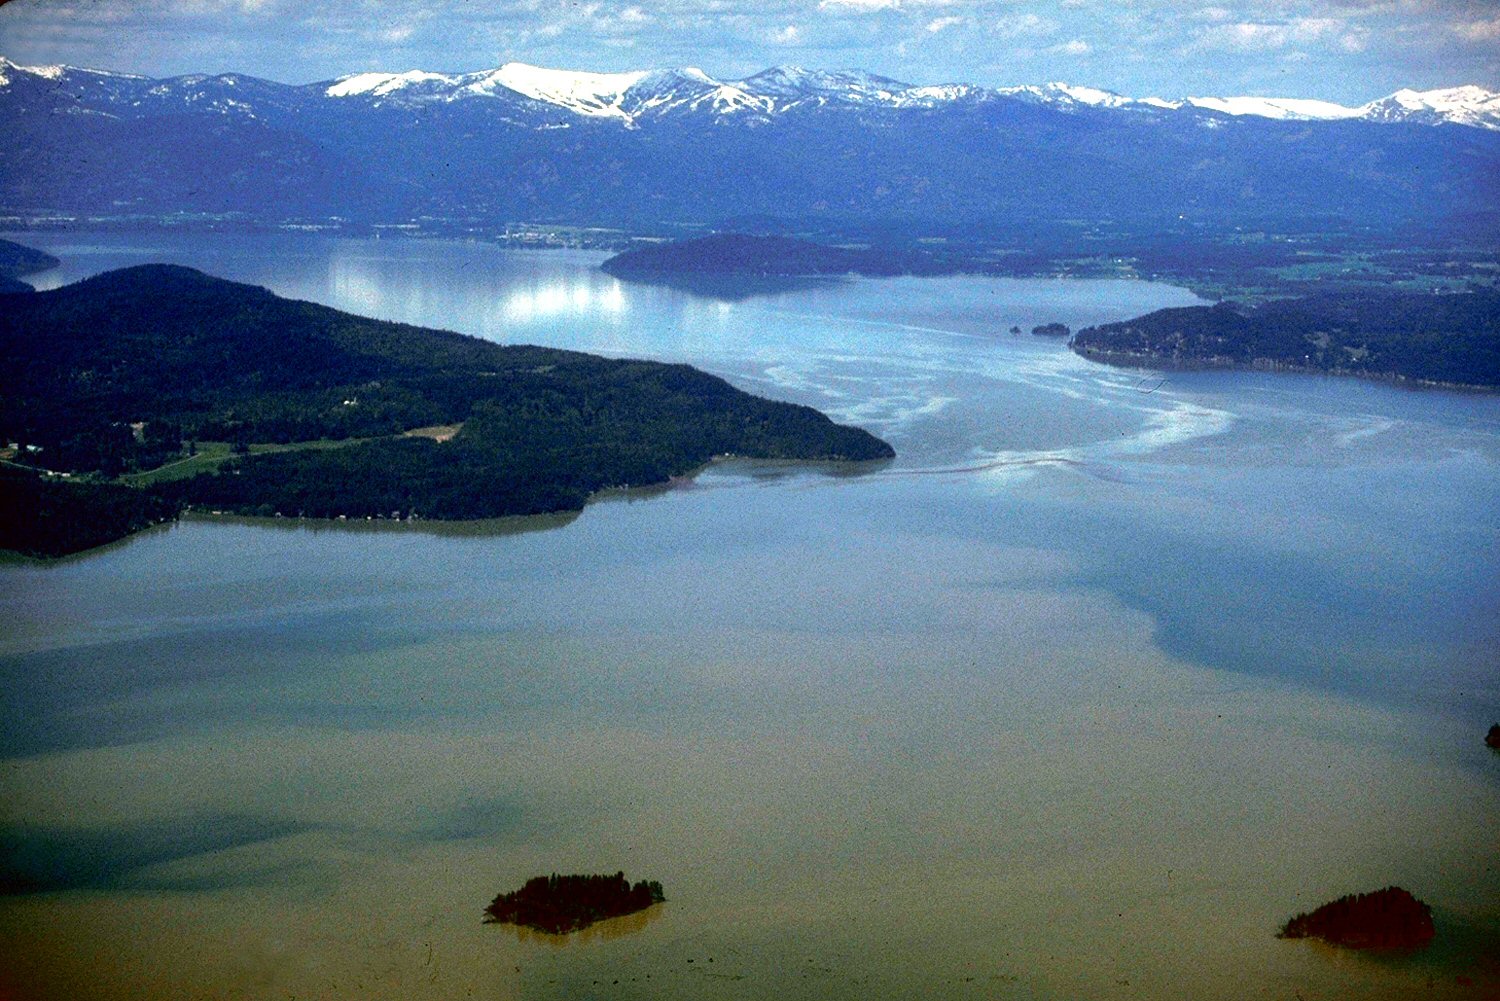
x=1103, y=678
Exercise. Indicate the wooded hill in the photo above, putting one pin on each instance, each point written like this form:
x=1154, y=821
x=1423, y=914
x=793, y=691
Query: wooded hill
x=1451, y=339
x=124, y=371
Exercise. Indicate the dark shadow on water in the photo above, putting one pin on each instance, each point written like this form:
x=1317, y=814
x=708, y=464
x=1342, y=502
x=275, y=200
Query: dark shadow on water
x=603, y=931
x=475, y=818
x=1461, y=949
x=739, y=288
x=90, y=695
x=46, y=859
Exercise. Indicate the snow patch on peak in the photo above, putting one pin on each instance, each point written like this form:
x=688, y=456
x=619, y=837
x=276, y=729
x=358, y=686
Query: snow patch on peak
x=381, y=84
x=1092, y=96
x=936, y=94
x=1067, y=96
x=585, y=93
x=1467, y=105
x=46, y=72
x=792, y=84
x=1285, y=108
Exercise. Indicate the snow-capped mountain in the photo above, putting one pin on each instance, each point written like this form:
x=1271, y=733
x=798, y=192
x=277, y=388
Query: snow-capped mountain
x=521, y=142
x=629, y=97
x=1456, y=105
x=626, y=96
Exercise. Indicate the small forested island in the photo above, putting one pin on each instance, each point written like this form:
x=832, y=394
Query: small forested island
x=1447, y=339
x=1051, y=330
x=562, y=904
x=140, y=392
x=1387, y=919
x=738, y=254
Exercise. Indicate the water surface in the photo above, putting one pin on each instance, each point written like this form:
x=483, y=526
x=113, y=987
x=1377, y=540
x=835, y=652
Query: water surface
x=1104, y=677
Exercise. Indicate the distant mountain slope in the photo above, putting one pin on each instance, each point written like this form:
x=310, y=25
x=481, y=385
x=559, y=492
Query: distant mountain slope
x=119, y=371
x=740, y=254
x=670, y=146
x=625, y=97
x=1417, y=336
x=17, y=260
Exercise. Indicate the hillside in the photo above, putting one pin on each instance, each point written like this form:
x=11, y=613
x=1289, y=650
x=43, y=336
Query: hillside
x=1448, y=339
x=129, y=370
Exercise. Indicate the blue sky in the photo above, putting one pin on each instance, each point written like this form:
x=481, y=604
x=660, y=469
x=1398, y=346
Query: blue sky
x=1344, y=50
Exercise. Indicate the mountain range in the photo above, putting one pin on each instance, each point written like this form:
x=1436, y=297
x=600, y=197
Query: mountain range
x=523, y=143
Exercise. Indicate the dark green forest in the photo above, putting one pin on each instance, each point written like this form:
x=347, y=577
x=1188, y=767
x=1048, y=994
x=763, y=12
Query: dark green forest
x=42, y=517
x=126, y=371
x=1386, y=919
x=1445, y=338
x=560, y=904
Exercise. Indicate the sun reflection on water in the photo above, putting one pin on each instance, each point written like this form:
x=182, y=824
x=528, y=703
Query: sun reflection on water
x=565, y=298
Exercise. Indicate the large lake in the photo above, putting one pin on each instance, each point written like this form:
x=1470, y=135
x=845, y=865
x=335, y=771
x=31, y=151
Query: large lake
x=1104, y=677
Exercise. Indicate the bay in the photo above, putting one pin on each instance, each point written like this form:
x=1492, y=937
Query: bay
x=1107, y=674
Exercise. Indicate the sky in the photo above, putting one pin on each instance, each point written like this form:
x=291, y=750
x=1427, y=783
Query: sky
x=1349, y=51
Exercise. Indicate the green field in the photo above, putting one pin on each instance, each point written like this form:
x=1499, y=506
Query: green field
x=213, y=454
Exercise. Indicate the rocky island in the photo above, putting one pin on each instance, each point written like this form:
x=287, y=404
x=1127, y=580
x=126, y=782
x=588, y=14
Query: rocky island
x=1386, y=919
x=140, y=392
x=562, y=904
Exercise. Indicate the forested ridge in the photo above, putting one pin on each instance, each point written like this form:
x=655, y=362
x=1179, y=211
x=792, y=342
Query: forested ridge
x=1446, y=338
x=128, y=370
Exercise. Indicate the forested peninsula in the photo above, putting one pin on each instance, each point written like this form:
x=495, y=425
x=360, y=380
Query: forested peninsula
x=132, y=395
x=1447, y=339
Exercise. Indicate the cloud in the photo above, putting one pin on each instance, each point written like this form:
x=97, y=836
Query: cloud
x=1017, y=25
x=1478, y=31
x=872, y=6
x=939, y=23
x=788, y=35
x=1073, y=47
x=1264, y=36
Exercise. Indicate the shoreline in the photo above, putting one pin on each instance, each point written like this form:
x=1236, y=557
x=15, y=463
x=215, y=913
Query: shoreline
x=1146, y=362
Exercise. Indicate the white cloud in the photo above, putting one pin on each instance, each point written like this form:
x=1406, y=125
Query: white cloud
x=872, y=6
x=1073, y=47
x=939, y=23
x=1016, y=25
x=789, y=35
x=1264, y=36
x=1479, y=31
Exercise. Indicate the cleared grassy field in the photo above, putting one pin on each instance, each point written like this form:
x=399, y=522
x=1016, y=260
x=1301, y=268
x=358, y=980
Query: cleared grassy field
x=212, y=454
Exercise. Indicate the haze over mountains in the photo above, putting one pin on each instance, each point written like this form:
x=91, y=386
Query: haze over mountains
x=638, y=149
